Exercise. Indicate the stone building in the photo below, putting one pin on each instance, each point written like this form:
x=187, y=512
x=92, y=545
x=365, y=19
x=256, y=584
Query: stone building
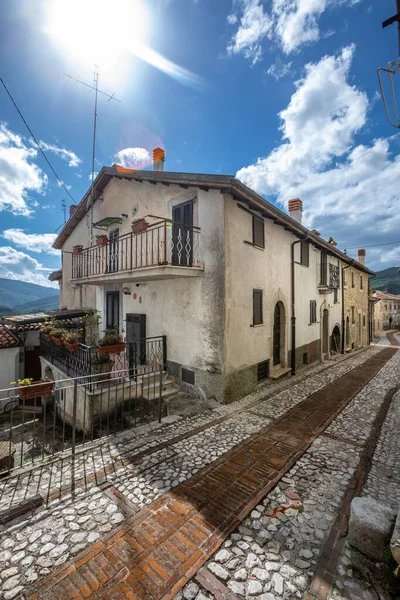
x=356, y=309
x=239, y=291
x=387, y=310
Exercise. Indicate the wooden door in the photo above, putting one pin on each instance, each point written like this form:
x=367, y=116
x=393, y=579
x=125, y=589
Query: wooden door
x=277, y=335
x=182, y=234
x=135, y=341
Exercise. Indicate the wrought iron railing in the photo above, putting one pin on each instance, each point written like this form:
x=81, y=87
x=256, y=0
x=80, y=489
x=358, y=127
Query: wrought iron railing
x=142, y=356
x=164, y=243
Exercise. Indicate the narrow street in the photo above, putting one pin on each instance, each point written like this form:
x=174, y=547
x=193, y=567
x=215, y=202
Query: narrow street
x=191, y=510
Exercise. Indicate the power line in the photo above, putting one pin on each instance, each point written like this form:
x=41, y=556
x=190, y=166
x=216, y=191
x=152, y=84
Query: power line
x=35, y=140
x=373, y=245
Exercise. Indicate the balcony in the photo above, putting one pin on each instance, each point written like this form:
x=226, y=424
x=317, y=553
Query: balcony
x=166, y=250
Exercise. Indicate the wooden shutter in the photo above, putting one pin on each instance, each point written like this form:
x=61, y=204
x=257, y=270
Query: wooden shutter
x=305, y=254
x=313, y=311
x=257, y=307
x=258, y=232
x=324, y=268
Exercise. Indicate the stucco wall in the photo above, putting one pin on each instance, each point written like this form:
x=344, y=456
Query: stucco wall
x=9, y=366
x=384, y=309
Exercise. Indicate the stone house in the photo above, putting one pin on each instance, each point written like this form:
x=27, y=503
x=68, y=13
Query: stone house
x=356, y=309
x=239, y=291
x=387, y=310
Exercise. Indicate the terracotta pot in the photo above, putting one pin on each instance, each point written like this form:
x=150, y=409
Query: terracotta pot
x=72, y=347
x=101, y=240
x=77, y=249
x=114, y=349
x=58, y=341
x=139, y=226
x=36, y=389
x=47, y=336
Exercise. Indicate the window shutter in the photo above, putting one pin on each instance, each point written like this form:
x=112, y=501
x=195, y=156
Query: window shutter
x=258, y=232
x=305, y=254
x=257, y=307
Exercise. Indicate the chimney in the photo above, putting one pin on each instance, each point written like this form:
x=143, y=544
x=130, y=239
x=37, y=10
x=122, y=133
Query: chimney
x=72, y=210
x=158, y=159
x=361, y=256
x=295, y=209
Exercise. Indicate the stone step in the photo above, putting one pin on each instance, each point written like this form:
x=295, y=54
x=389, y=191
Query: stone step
x=278, y=372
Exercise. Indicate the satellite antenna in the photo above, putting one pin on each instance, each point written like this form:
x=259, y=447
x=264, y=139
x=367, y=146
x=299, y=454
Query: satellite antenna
x=393, y=69
x=94, y=87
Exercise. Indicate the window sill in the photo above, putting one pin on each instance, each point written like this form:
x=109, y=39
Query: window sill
x=259, y=325
x=254, y=245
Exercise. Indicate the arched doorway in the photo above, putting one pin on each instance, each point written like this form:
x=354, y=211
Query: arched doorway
x=335, y=340
x=325, y=331
x=279, y=334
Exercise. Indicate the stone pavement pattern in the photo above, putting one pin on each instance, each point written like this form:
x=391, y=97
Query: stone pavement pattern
x=165, y=543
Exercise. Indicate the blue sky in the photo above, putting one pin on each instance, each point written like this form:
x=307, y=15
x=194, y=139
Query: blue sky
x=283, y=93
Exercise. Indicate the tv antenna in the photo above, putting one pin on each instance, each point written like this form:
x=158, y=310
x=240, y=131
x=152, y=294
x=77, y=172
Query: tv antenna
x=110, y=97
x=64, y=210
x=392, y=69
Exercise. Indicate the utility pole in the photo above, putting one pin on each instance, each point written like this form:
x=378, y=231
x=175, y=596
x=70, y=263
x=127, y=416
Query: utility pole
x=394, y=19
x=94, y=87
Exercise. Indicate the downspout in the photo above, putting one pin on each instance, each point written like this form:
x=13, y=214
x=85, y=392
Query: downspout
x=293, y=303
x=343, y=319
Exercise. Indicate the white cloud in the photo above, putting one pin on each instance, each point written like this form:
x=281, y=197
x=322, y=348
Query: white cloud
x=35, y=242
x=279, y=69
x=254, y=25
x=292, y=23
x=19, y=176
x=349, y=191
x=21, y=266
x=232, y=19
x=132, y=158
x=67, y=155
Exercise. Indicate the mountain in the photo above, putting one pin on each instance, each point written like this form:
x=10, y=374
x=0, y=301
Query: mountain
x=387, y=279
x=15, y=293
x=42, y=305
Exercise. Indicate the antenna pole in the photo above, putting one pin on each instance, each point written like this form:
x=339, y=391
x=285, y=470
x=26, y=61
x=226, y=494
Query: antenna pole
x=96, y=87
x=394, y=19
x=64, y=209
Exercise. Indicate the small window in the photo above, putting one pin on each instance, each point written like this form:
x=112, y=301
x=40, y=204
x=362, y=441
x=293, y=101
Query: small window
x=258, y=232
x=352, y=279
x=188, y=376
x=257, y=307
x=324, y=268
x=335, y=296
x=353, y=318
x=313, y=311
x=263, y=371
x=305, y=358
x=361, y=282
x=363, y=320
x=305, y=254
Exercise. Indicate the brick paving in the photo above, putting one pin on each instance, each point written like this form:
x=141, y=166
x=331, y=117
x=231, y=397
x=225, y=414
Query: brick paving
x=160, y=548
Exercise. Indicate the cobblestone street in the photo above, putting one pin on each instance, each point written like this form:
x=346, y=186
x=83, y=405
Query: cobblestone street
x=275, y=528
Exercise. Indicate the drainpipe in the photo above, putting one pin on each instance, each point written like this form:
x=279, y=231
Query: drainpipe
x=343, y=319
x=293, y=317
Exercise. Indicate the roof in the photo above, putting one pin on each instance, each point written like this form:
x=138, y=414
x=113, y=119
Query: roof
x=379, y=295
x=8, y=339
x=55, y=275
x=30, y=319
x=225, y=183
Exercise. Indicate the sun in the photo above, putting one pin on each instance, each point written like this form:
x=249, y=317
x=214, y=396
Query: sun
x=97, y=32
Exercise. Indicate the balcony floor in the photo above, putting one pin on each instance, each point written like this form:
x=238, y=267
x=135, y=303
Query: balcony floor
x=144, y=274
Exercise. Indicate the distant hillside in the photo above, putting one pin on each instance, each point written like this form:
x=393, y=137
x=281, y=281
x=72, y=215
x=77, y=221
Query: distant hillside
x=387, y=279
x=15, y=293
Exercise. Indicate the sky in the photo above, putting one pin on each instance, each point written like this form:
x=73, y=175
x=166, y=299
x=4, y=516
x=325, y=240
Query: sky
x=281, y=93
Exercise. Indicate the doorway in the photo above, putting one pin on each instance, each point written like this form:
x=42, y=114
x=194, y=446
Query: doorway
x=182, y=234
x=359, y=330
x=325, y=332
x=135, y=341
x=335, y=340
x=278, y=334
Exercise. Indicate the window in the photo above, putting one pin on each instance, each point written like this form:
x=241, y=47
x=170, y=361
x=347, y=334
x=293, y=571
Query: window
x=324, y=268
x=313, y=311
x=258, y=232
x=257, y=307
x=347, y=331
x=113, y=248
x=335, y=296
x=363, y=320
x=352, y=279
x=305, y=254
x=353, y=318
x=112, y=310
x=262, y=371
x=361, y=282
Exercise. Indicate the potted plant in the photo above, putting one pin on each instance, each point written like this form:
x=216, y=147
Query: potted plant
x=28, y=389
x=77, y=249
x=72, y=340
x=111, y=342
x=139, y=225
x=101, y=365
x=101, y=240
x=46, y=329
x=57, y=335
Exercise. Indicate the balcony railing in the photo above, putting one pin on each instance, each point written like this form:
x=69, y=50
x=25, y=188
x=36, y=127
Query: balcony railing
x=141, y=357
x=164, y=243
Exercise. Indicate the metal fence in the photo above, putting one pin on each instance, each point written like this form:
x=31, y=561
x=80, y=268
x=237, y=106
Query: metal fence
x=40, y=421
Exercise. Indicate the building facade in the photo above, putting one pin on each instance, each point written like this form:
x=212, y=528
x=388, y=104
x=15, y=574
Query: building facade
x=356, y=311
x=387, y=310
x=240, y=291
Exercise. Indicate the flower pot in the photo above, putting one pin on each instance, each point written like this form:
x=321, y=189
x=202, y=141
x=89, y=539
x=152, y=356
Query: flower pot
x=114, y=349
x=36, y=389
x=72, y=347
x=101, y=240
x=139, y=226
x=58, y=341
x=47, y=336
x=77, y=249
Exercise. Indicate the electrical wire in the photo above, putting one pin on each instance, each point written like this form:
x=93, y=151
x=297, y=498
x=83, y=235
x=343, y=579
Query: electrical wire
x=35, y=140
x=373, y=245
